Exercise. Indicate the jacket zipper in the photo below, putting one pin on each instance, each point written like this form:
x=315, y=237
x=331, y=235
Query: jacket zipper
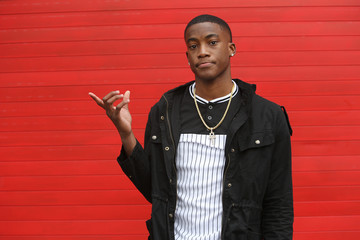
x=173, y=143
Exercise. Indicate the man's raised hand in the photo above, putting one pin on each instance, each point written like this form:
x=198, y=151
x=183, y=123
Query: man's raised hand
x=118, y=114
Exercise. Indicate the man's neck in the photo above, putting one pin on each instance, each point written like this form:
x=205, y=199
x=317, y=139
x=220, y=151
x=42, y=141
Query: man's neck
x=210, y=90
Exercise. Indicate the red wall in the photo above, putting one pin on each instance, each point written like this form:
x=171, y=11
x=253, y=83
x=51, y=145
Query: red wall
x=58, y=174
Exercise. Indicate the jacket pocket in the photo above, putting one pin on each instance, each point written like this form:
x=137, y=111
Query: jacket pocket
x=244, y=222
x=257, y=140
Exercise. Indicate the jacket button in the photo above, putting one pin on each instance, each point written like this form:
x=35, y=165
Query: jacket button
x=232, y=150
x=170, y=180
x=170, y=215
x=229, y=185
x=154, y=137
x=162, y=118
x=167, y=148
x=257, y=141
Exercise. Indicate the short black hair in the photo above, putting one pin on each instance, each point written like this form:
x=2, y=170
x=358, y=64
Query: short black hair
x=209, y=18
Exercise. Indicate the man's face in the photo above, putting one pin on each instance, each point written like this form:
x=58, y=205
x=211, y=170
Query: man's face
x=208, y=50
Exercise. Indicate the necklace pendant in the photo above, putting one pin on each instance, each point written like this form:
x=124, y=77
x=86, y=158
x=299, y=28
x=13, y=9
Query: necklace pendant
x=212, y=137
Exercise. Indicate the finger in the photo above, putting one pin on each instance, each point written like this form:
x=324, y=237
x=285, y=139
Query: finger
x=126, y=98
x=114, y=98
x=124, y=103
x=110, y=95
x=97, y=99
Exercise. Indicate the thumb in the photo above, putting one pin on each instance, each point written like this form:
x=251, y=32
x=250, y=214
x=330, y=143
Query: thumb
x=126, y=98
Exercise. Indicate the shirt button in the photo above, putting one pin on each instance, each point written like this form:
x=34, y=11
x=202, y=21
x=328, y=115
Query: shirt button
x=210, y=107
x=154, y=137
x=257, y=141
x=229, y=185
x=209, y=117
x=162, y=118
x=167, y=148
x=170, y=215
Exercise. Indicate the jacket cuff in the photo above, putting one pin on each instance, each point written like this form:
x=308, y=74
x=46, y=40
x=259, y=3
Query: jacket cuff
x=124, y=160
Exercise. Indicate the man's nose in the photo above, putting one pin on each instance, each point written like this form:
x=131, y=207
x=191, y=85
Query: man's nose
x=203, y=51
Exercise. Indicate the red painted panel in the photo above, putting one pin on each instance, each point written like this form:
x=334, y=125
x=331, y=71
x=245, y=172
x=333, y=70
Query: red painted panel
x=51, y=213
x=94, y=227
x=77, y=198
x=58, y=174
x=327, y=208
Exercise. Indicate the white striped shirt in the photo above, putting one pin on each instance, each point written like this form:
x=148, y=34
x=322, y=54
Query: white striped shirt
x=200, y=168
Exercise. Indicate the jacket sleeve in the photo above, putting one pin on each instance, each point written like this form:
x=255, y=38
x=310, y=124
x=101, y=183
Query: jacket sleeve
x=137, y=165
x=278, y=214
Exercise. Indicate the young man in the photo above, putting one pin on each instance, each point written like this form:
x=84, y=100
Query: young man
x=216, y=162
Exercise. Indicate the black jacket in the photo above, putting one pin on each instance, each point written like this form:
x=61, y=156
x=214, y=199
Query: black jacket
x=257, y=182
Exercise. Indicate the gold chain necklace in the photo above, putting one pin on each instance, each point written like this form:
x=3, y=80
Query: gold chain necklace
x=212, y=134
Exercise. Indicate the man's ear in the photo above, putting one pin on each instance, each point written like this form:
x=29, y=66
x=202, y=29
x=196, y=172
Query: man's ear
x=187, y=56
x=232, y=49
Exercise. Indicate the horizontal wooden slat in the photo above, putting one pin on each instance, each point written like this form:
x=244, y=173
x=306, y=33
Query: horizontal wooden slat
x=73, y=227
x=68, y=108
x=38, y=168
x=236, y=14
x=327, y=223
x=327, y=193
x=66, y=183
x=326, y=163
x=121, y=182
x=176, y=31
x=327, y=208
x=94, y=137
x=140, y=46
x=95, y=152
x=36, y=6
x=56, y=123
x=323, y=118
x=78, y=198
x=326, y=235
x=247, y=59
x=94, y=212
x=177, y=76
x=101, y=122
x=325, y=148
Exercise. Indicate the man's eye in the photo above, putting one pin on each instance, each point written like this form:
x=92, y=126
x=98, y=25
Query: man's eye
x=193, y=46
x=213, y=42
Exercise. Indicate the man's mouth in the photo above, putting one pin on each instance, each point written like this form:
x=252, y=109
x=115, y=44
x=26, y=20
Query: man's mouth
x=204, y=64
